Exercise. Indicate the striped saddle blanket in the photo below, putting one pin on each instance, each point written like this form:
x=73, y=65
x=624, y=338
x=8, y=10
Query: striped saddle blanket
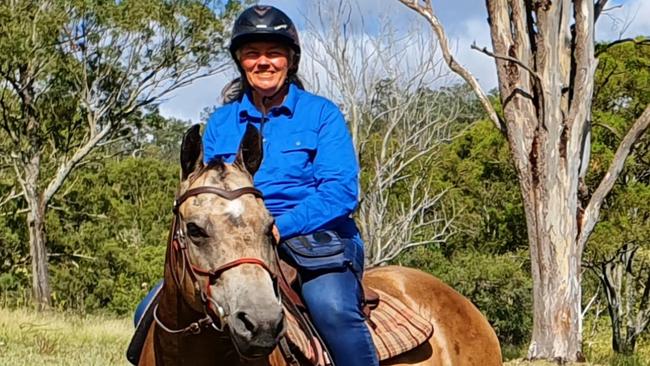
x=395, y=329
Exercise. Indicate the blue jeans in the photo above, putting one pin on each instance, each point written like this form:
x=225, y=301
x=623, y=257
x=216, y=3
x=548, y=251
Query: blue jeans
x=334, y=303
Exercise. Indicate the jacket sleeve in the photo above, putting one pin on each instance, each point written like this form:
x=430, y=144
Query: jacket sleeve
x=336, y=172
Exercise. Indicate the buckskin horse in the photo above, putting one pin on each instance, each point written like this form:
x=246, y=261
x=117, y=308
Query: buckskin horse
x=219, y=304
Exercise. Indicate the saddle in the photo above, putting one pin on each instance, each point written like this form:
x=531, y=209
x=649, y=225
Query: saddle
x=394, y=327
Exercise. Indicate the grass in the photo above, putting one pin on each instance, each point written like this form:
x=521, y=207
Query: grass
x=28, y=338
x=597, y=348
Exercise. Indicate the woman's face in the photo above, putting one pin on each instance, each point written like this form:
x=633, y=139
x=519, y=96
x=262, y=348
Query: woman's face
x=266, y=65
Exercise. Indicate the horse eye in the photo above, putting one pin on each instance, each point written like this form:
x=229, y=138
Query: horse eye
x=195, y=231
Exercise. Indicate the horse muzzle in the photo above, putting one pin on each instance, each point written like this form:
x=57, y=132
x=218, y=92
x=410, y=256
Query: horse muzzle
x=255, y=332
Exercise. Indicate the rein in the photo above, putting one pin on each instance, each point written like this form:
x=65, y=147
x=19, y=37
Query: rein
x=179, y=246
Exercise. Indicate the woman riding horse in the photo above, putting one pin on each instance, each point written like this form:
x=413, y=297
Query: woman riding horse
x=309, y=172
x=219, y=302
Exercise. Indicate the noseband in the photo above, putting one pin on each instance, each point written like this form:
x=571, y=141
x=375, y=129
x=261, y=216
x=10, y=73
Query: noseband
x=179, y=246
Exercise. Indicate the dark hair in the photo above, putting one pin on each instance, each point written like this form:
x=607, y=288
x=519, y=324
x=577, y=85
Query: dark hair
x=235, y=89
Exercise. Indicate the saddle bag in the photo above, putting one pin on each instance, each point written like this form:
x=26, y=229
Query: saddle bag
x=320, y=251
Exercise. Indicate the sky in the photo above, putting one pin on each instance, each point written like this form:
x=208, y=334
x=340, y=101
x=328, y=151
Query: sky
x=464, y=21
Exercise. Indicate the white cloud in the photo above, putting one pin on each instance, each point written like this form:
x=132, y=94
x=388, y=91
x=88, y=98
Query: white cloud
x=481, y=66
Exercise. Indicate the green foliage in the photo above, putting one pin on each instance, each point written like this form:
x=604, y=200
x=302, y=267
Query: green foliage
x=107, y=235
x=486, y=260
x=622, y=92
x=485, y=192
x=107, y=227
x=78, y=75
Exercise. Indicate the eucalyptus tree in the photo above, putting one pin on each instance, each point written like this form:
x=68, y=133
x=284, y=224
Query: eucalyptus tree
x=544, y=53
x=76, y=75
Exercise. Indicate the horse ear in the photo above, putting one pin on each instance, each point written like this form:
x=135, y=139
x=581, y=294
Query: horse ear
x=250, y=150
x=191, y=151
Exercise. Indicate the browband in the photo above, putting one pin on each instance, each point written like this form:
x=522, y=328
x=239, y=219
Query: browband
x=229, y=195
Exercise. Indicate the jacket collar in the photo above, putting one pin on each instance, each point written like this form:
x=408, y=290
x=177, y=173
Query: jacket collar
x=247, y=108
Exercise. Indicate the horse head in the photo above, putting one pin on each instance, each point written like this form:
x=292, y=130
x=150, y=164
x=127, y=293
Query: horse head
x=226, y=263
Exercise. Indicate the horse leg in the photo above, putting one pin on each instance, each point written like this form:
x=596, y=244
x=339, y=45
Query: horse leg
x=461, y=334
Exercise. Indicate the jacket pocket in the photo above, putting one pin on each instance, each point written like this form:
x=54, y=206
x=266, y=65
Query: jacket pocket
x=297, y=151
x=297, y=141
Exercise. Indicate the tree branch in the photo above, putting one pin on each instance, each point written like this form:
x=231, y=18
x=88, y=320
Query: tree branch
x=511, y=59
x=637, y=42
x=10, y=197
x=13, y=213
x=427, y=12
x=592, y=211
x=599, y=6
x=608, y=128
x=66, y=168
x=587, y=307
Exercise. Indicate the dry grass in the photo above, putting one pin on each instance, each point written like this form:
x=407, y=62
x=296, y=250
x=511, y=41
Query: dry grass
x=28, y=338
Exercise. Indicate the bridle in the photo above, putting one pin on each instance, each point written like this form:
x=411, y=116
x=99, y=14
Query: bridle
x=179, y=246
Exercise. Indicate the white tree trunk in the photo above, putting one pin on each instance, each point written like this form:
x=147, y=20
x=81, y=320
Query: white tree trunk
x=37, y=240
x=555, y=264
x=38, y=251
x=544, y=53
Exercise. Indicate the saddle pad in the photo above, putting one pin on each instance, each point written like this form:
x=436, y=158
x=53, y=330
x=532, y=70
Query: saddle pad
x=297, y=338
x=394, y=327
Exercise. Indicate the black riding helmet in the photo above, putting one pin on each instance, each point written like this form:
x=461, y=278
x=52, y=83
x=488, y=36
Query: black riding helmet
x=265, y=23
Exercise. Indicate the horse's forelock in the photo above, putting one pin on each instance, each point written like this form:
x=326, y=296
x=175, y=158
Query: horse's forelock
x=218, y=166
x=215, y=164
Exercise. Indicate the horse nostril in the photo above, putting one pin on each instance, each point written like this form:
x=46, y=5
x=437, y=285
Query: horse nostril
x=247, y=321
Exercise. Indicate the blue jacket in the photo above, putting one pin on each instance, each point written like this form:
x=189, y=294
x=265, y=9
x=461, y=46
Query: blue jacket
x=309, y=174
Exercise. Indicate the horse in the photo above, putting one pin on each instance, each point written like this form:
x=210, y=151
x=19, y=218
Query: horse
x=220, y=303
